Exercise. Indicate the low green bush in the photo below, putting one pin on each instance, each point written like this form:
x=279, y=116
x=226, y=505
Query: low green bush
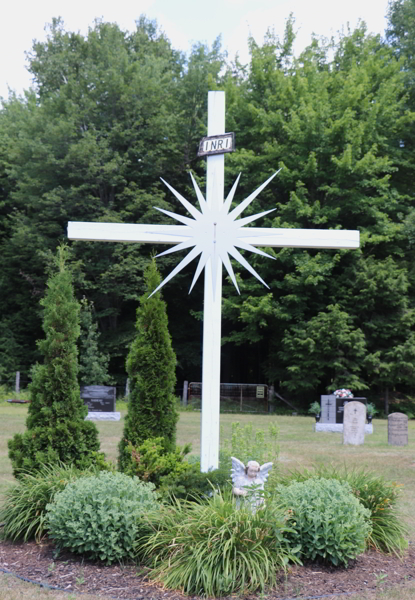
x=171, y=473
x=24, y=508
x=214, y=548
x=328, y=522
x=152, y=462
x=375, y=493
x=100, y=516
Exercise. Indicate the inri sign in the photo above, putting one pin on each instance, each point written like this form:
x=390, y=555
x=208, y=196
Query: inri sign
x=217, y=144
x=214, y=233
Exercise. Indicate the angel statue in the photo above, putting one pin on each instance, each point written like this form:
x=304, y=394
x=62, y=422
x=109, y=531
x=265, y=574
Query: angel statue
x=251, y=475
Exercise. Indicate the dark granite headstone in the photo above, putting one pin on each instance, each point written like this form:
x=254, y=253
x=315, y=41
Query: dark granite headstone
x=340, y=404
x=99, y=398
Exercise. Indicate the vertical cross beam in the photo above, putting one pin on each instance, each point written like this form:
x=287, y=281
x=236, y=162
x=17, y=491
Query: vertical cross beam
x=212, y=318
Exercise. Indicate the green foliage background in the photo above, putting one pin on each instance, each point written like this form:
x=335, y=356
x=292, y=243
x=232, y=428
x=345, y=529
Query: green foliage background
x=113, y=111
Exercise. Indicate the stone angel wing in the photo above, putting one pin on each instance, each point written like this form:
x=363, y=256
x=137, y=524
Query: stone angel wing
x=237, y=470
x=264, y=472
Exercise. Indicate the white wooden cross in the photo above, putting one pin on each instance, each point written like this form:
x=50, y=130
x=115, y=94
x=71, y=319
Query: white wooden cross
x=214, y=233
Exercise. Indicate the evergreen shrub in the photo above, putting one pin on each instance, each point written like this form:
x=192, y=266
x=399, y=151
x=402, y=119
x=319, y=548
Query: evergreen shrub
x=24, y=508
x=215, y=549
x=151, y=365
x=56, y=428
x=327, y=521
x=100, y=516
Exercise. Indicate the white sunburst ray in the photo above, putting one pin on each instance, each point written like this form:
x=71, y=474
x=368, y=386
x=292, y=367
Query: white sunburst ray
x=238, y=257
x=228, y=266
x=180, y=246
x=182, y=264
x=180, y=218
x=245, y=220
x=241, y=207
x=191, y=209
x=201, y=265
x=228, y=202
x=245, y=246
x=199, y=195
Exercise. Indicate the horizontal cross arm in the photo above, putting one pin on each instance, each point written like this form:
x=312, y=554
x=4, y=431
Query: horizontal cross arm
x=301, y=238
x=174, y=234
x=126, y=232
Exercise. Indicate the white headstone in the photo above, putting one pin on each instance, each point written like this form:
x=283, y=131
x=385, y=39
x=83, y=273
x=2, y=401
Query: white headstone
x=354, y=420
x=397, y=429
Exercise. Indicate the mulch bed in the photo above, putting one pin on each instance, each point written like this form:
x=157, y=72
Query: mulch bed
x=37, y=563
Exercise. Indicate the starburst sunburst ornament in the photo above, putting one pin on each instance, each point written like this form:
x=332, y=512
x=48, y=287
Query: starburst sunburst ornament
x=215, y=233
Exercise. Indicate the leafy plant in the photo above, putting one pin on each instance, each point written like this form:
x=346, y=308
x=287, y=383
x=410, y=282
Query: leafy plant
x=247, y=444
x=371, y=409
x=152, y=462
x=315, y=408
x=100, y=516
x=215, y=549
x=171, y=473
x=376, y=494
x=328, y=522
x=24, y=508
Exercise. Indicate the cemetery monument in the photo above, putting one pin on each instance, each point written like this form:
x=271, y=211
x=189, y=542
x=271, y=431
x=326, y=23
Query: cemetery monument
x=397, y=429
x=354, y=423
x=332, y=414
x=100, y=400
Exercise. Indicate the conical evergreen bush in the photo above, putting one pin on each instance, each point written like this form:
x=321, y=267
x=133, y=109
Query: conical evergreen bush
x=56, y=429
x=151, y=366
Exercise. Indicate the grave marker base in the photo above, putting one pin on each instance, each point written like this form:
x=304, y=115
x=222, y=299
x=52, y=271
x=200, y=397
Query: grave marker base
x=103, y=416
x=337, y=427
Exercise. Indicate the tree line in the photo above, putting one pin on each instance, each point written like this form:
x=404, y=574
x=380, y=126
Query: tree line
x=112, y=112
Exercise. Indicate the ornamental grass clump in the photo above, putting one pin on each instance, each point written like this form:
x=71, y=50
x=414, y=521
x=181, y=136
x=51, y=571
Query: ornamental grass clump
x=101, y=516
x=327, y=521
x=214, y=549
x=24, y=508
x=375, y=493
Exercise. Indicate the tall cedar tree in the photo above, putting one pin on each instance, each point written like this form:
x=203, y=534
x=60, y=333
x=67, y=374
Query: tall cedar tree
x=56, y=429
x=151, y=366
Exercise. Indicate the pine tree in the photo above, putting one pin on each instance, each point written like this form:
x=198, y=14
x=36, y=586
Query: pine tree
x=151, y=366
x=93, y=364
x=56, y=429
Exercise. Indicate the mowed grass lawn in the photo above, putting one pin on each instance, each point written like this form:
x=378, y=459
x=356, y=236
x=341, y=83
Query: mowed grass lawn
x=300, y=447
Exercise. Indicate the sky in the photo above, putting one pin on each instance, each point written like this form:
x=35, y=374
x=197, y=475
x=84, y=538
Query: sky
x=183, y=21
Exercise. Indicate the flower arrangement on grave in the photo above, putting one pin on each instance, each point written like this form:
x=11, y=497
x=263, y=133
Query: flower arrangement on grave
x=343, y=393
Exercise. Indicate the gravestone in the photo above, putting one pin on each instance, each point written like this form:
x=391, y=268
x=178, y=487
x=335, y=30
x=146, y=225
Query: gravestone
x=341, y=403
x=397, y=429
x=332, y=408
x=100, y=400
x=354, y=418
x=328, y=409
